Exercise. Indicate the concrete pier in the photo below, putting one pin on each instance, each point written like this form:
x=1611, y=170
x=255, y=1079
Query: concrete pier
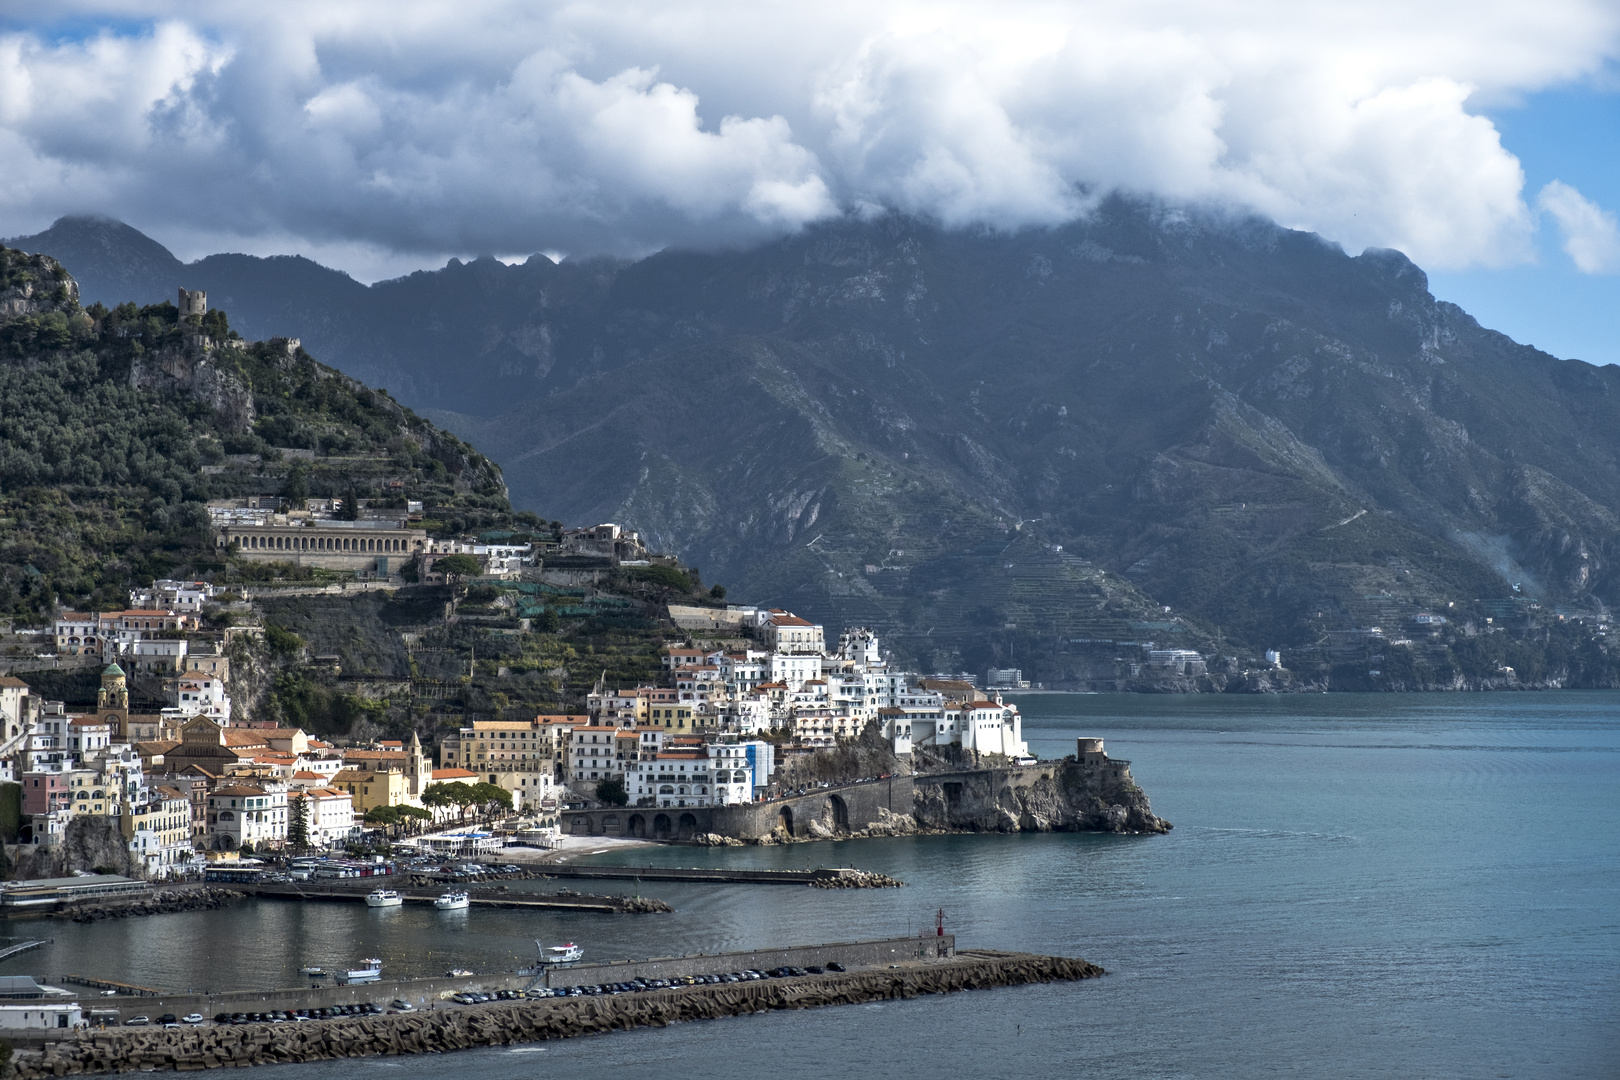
x=504, y=1023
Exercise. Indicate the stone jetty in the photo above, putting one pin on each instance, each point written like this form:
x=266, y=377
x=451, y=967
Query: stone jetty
x=858, y=879
x=161, y=902
x=503, y=1023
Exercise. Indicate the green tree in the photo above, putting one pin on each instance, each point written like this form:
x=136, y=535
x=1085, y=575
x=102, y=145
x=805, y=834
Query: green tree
x=457, y=568
x=491, y=796
x=296, y=487
x=298, y=824
x=612, y=791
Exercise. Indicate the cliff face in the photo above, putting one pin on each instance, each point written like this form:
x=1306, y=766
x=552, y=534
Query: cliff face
x=87, y=844
x=1055, y=796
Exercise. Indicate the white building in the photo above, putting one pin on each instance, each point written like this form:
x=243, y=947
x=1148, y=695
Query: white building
x=732, y=774
x=156, y=655
x=329, y=815
x=31, y=1015
x=787, y=633
x=239, y=814
x=197, y=693
x=173, y=595
x=794, y=669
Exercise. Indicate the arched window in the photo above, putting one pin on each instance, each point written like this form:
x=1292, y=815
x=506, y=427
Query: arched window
x=226, y=815
x=666, y=790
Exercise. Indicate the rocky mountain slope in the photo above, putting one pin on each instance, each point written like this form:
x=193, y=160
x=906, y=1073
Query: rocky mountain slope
x=1041, y=449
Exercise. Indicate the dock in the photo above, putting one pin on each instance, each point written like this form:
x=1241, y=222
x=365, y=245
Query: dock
x=483, y=898
x=709, y=875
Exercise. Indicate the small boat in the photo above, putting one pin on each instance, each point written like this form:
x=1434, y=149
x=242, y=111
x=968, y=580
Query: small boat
x=314, y=971
x=457, y=973
x=370, y=971
x=383, y=898
x=452, y=901
x=562, y=954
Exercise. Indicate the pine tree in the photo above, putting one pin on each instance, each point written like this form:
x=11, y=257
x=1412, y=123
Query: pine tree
x=298, y=825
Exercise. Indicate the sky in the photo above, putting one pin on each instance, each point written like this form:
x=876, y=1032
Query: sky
x=1482, y=138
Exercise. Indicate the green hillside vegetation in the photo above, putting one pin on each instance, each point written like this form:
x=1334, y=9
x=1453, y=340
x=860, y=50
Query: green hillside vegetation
x=117, y=425
x=105, y=468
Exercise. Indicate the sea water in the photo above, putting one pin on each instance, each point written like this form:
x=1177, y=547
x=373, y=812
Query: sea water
x=1356, y=886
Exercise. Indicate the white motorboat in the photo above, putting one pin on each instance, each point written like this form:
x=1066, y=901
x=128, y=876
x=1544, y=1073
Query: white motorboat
x=458, y=973
x=383, y=898
x=452, y=901
x=369, y=971
x=314, y=971
x=562, y=954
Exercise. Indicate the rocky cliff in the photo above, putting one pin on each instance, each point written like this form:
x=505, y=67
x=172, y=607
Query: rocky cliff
x=1072, y=795
x=91, y=844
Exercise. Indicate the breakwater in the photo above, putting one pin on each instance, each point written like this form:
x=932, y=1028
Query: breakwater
x=831, y=878
x=161, y=902
x=498, y=897
x=504, y=1023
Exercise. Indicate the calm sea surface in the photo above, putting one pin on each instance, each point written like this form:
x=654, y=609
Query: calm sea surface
x=1357, y=886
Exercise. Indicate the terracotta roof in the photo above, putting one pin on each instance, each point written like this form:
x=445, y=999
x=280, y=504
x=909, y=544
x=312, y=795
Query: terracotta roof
x=354, y=776
x=195, y=674
x=305, y=774
x=240, y=737
x=322, y=793
x=88, y=721
x=376, y=755
x=153, y=749
x=169, y=792
x=238, y=790
x=452, y=774
x=12, y=681
x=790, y=620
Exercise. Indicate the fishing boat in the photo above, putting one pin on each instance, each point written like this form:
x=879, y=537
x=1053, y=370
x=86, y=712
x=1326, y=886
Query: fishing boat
x=314, y=971
x=383, y=898
x=452, y=901
x=561, y=954
x=369, y=971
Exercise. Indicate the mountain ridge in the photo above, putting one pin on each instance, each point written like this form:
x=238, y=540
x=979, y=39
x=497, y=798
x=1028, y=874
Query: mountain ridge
x=1283, y=443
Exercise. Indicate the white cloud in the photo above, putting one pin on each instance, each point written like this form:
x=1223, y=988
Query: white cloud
x=421, y=129
x=1591, y=234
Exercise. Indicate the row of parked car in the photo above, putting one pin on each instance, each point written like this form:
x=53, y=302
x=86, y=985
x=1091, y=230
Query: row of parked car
x=638, y=985
x=286, y=1016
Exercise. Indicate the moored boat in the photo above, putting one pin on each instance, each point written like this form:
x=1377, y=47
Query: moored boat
x=383, y=898
x=370, y=970
x=562, y=954
x=314, y=971
x=452, y=901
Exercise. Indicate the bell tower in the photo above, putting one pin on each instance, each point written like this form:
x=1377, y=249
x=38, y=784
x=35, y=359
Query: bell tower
x=112, y=701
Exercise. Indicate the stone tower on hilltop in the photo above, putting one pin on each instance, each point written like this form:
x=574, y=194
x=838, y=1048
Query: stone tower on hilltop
x=193, y=302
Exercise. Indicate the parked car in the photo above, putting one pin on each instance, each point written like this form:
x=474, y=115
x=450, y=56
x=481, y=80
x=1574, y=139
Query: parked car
x=193, y=1018
x=138, y=1021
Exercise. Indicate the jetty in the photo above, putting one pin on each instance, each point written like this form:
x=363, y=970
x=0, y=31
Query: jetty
x=874, y=971
x=489, y=898
x=709, y=875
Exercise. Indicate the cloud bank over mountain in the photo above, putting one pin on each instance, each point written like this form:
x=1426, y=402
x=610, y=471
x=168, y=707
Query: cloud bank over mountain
x=378, y=137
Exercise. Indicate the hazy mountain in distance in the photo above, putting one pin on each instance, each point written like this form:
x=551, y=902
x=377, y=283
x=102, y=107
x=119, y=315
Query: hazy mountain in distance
x=997, y=447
